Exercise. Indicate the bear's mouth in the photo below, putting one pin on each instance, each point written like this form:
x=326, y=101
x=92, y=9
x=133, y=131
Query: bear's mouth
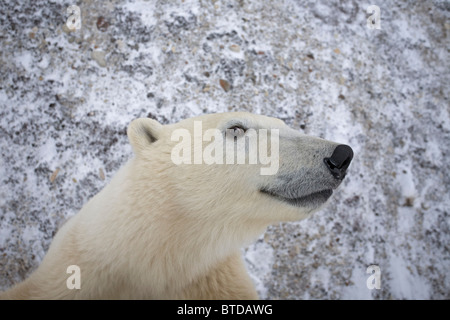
x=314, y=199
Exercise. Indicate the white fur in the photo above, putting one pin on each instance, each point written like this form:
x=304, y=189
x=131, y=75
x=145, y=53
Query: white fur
x=162, y=231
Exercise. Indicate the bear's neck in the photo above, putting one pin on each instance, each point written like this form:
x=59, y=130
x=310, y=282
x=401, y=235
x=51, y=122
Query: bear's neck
x=162, y=241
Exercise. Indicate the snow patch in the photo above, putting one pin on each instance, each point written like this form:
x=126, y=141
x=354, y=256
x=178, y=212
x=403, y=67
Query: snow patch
x=259, y=258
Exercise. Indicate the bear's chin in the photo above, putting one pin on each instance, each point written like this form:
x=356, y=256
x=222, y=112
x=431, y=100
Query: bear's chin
x=310, y=201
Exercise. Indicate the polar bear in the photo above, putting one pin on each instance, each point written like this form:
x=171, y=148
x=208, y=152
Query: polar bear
x=168, y=229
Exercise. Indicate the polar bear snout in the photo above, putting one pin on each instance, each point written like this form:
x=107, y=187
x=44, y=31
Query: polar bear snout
x=339, y=161
x=317, y=173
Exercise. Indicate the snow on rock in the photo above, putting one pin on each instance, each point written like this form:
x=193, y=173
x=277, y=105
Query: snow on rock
x=66, y=98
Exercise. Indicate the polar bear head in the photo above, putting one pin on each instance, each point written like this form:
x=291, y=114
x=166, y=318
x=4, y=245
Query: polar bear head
x=237, y=166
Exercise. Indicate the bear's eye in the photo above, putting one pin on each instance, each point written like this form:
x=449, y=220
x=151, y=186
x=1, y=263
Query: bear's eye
x=236, y=131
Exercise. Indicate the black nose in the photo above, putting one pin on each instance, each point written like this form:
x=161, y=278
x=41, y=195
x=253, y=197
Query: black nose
x=339, y=161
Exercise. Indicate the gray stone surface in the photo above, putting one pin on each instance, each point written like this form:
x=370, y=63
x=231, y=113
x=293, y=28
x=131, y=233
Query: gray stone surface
x=66, y=98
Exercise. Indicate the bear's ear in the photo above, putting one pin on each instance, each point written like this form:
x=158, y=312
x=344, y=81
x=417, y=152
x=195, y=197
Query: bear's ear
x=143, y=132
